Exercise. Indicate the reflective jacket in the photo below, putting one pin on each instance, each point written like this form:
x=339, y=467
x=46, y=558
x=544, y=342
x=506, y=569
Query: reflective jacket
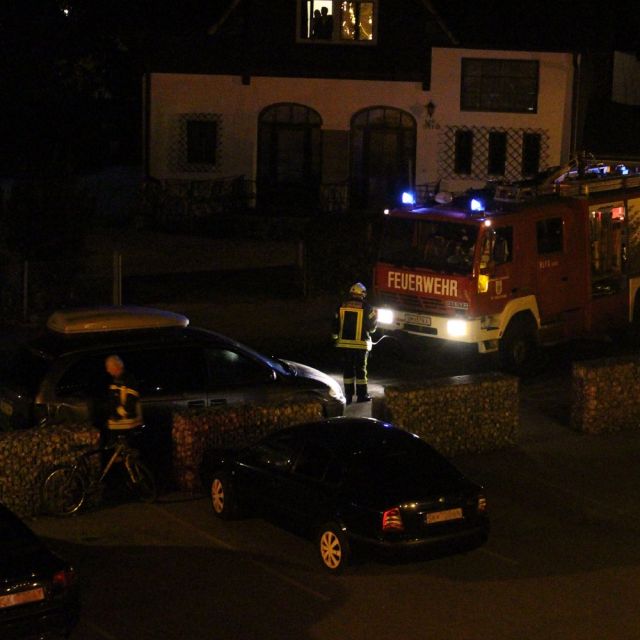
x=124, y=404
x=354, y=322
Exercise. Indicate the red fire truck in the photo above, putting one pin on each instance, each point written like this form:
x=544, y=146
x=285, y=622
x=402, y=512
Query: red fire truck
x=541, y=263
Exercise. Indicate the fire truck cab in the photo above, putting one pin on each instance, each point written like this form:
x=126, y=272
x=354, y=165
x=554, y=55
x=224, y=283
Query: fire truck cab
x=538, y=264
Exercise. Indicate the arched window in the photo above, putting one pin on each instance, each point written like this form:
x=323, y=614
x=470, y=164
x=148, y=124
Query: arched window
x=383, y=156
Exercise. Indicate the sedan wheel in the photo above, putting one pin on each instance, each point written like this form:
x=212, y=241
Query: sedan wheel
x=222, y=499
x=333, y=547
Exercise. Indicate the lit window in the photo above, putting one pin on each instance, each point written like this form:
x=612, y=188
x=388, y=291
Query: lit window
x=356, y=21
x=334, y=21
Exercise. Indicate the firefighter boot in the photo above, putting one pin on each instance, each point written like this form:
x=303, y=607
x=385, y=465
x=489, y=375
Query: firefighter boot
x=349, y=388
x=361, y=393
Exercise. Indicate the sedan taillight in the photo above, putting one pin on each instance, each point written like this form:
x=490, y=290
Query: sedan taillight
x=64, y=579
x=392, y=520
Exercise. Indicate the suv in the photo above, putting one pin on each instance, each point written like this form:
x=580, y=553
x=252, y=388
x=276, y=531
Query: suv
x=60, y=376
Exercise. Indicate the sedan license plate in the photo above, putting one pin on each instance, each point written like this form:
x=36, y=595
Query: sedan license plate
x=443, y=516
x=22, y=597
x=414, y=318
x=6, y=408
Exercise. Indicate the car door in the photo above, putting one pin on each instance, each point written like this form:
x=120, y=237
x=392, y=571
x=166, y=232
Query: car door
x=261, y=470
x=169, y=377
x=559, y=290
x=236, y=377
x=311, y=485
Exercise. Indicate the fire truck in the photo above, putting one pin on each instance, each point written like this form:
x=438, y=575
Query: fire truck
x=537, y=263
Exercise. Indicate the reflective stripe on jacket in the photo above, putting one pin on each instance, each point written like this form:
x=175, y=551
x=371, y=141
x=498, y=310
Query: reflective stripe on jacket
x=354, y=321
x=125, y=411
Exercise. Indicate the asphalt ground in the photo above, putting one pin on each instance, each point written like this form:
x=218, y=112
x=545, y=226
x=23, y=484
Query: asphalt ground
x=562, y=560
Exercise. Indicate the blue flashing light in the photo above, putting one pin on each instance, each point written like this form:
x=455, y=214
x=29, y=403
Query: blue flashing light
x=408, y=198
x=476, y=205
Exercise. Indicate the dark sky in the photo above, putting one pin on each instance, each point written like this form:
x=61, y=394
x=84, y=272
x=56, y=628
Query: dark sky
x=558, y=25
x=77, y=79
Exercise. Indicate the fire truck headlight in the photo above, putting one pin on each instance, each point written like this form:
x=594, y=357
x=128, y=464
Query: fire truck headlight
x=456, y=328
x=385, y=316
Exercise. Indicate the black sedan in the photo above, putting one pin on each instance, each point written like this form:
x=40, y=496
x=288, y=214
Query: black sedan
x=351, y=481
x=38, y=590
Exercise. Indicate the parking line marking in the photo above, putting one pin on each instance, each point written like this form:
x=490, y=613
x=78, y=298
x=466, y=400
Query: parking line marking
x=202, y=532
x=226, y=545
x=291, y=581
x=499, y=556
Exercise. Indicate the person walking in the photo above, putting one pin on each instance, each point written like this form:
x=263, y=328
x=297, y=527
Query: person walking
x=354, y=322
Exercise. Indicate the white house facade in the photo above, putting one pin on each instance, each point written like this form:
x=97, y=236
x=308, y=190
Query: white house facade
x=487, y=115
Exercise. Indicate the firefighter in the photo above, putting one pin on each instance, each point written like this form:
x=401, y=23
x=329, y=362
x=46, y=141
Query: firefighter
x=125, y=412
x=354, y=322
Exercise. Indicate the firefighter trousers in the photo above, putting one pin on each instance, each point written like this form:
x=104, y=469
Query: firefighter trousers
x=354, y=373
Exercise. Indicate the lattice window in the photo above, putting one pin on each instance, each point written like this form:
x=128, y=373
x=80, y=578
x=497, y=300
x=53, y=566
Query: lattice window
x=480, y=152
x=196, y=141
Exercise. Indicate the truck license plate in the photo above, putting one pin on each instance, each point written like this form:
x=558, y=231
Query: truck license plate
x=414, y=318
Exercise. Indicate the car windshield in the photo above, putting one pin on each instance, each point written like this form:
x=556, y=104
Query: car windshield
x=25, y=370
x=438, y=245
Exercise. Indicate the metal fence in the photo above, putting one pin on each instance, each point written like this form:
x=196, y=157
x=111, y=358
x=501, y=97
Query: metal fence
x=160, y=273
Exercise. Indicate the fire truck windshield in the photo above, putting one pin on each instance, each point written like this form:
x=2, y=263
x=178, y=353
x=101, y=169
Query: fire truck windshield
x=446, y=247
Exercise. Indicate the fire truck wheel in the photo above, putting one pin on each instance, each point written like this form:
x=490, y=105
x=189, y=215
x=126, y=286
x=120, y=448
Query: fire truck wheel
x=519, y=344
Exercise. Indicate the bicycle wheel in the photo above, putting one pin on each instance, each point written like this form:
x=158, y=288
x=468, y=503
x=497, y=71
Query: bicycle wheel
x=141, y=481
x=63, y=491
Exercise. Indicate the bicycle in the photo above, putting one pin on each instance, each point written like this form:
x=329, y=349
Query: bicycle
x=67, y=486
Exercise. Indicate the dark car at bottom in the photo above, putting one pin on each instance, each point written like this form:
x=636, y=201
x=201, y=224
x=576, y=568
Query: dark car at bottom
x=38, y=590
x=351, y=482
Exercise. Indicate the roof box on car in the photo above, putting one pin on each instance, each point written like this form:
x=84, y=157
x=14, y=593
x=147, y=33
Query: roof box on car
x=116, y=318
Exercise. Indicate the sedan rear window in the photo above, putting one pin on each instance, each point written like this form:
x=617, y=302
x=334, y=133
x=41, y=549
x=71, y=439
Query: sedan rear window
x=408, y=458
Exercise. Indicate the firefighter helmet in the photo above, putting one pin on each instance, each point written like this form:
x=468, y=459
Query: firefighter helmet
x=358, y=290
